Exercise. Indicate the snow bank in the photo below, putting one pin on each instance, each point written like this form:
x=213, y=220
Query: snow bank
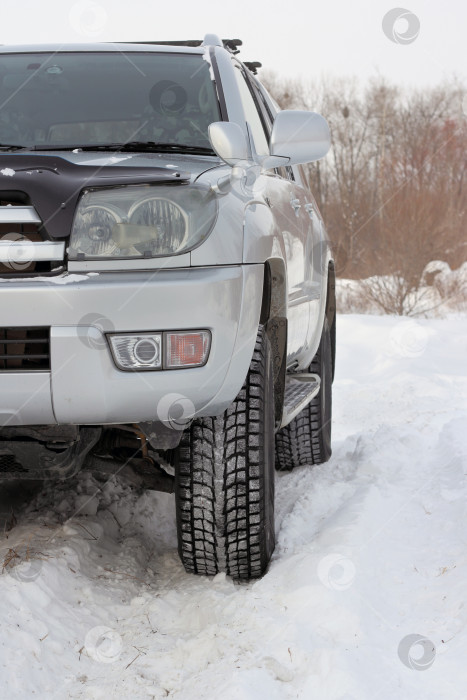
x=441, y=292
x=365, y=594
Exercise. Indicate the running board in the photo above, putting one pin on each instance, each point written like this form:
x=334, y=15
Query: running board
x=300, y=389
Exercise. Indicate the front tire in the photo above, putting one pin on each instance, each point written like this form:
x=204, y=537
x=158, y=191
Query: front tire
x=307, y=439
x=224, y=482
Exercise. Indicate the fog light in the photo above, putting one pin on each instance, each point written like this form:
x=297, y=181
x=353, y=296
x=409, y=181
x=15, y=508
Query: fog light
x=146, y=351
x=142, y=351
x=190, y=349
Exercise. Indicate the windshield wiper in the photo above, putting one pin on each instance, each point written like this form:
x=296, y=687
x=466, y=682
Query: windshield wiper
x=131, y=146
x=12, y=147
x=160, y=147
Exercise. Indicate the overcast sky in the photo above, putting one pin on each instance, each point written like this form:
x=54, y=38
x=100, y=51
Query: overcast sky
x=425, y=45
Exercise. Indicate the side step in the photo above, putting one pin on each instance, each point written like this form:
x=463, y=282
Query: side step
x=300, y=389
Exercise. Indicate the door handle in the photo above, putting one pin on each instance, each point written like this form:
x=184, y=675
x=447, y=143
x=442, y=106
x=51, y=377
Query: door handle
x=295, y=204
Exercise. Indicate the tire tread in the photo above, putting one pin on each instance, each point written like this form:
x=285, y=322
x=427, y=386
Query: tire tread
x=221, y=483
x=304, y=440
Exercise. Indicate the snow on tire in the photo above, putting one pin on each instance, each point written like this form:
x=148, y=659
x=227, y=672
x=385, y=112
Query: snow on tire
x=225, y=481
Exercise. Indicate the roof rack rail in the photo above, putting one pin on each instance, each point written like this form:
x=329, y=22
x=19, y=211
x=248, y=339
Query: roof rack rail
x=253, y=66
x=230, y=44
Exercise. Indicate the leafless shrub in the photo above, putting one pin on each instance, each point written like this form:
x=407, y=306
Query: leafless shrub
x=440, y=290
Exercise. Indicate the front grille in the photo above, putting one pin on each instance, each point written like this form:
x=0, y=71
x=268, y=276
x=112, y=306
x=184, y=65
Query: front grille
x=13, y=228
x=24, y=349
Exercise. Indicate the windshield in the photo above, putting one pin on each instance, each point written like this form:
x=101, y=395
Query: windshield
x=53, y=99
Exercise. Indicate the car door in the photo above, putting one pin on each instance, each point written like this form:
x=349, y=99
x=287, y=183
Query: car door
x=282, y=197
x=311, y=222
x=307, y=211
x=287, y=207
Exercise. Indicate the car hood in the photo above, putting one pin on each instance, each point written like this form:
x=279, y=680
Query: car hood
x=195, y=165
x=53, y=181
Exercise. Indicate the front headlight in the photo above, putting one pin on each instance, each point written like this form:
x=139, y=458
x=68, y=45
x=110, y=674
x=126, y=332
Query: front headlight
x=141, y=221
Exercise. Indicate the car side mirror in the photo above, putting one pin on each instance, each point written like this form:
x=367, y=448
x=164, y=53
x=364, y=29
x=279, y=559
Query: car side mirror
x=229, y=142
x=297, y=137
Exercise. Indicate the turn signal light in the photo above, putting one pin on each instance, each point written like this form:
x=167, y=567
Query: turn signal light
x=187, y=349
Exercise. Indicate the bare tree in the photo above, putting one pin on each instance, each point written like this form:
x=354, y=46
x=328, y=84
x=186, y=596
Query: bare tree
x=393, y=189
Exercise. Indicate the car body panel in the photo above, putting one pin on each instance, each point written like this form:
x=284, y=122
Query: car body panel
x=25, y=399
x=218, y=285
x=84, y=386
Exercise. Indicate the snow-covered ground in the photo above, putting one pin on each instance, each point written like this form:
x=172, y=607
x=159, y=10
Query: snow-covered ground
x=371, y=552
x=441, y=292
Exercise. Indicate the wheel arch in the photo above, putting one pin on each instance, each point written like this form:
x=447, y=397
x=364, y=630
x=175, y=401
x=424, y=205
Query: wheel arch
x=274, y=318
x=331, y=310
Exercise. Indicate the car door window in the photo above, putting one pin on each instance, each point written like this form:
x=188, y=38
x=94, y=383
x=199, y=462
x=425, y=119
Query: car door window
x=251, y=113
x=265, y=112
x=286, y=172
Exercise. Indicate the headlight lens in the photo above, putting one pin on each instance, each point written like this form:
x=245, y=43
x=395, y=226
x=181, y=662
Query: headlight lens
x=98, y=223
x=141, y=221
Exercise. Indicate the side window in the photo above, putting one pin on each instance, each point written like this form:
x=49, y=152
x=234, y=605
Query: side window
x=285, y=172
x=271, y=105
x=262, y=105
x=251, y=113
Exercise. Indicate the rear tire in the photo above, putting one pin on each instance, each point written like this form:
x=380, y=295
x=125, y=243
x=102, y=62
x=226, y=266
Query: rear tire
x=224, y=481
x=307, y=439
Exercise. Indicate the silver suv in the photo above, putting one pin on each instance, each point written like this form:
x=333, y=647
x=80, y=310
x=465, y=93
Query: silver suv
x=167, y=304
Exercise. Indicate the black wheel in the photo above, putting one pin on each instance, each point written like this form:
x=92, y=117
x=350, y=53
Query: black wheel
x=307, y=439
x=224, y=481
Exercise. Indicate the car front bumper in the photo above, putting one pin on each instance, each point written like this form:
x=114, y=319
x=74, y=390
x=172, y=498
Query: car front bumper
x=84, y=386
